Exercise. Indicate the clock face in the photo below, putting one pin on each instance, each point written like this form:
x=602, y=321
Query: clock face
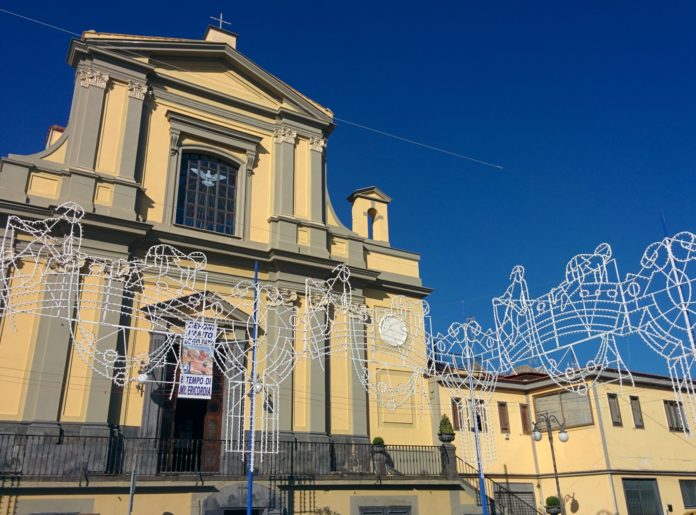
x=393, y=330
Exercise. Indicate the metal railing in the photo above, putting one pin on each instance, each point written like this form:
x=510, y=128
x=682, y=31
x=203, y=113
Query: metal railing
x=501, y=500
x=87, y=456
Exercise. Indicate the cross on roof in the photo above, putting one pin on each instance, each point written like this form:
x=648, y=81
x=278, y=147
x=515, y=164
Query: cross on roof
x=220, y=20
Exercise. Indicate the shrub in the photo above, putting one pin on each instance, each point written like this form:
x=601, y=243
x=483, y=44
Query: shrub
x=553, y=501
x=378, y=440
x=446, y=426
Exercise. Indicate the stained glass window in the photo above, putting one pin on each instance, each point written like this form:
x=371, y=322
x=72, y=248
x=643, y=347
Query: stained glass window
x=207, y=193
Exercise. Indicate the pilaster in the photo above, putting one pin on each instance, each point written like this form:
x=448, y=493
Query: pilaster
x=316, y=406
x=82, y=149
x=134, y=111
x=46, y=378
x=99, y=387
x=359, y=408
x=316, y=179
x=280, y=329
x=284, y=232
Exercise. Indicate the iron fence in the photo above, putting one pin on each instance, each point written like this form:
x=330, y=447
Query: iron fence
x=501, y=500
x=38, y=456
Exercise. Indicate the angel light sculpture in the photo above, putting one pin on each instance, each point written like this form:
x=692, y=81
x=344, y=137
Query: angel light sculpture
x=387, y=344
x=132, y=320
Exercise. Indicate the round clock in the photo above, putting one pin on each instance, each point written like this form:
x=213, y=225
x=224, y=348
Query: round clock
x=393, y=330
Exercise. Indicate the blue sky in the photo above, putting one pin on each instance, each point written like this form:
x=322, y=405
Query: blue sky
x=588, y=106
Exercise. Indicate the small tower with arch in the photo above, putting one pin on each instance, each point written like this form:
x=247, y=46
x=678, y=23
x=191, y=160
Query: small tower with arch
x=370, y=213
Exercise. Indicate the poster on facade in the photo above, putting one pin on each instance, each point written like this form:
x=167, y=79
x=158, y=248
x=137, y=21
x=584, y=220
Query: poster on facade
x=197, y=360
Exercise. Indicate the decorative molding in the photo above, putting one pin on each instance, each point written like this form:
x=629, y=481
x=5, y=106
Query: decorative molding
x=317, y=144
x=137, y=90
x=285, y=135
x=174, y=137
x=90, y=77
x=251, y=160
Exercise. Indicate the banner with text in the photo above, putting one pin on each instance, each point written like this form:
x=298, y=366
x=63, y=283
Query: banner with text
x=197, y=360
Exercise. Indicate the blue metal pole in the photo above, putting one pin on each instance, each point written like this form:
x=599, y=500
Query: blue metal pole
x=474, y=414
x=252, y=397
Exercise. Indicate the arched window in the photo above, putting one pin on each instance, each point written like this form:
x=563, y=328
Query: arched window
x=371, y=217
x=207, y=193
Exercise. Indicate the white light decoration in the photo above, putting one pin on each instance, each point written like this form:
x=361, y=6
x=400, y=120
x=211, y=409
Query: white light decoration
x=126, y=319
x=570, y=331
x=661, y=308
x=387, y=344
x=466, y=361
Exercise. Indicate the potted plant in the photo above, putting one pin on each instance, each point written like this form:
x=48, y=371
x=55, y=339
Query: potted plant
x=553, y=505
x=446, y=433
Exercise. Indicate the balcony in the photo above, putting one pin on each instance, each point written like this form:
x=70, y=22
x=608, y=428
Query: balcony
x=46, y=458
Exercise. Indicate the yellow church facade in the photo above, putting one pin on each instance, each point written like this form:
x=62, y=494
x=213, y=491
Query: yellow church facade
x=153, y=122
x=148, y=115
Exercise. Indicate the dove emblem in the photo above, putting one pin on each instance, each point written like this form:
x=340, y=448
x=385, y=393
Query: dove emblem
x=207, y=177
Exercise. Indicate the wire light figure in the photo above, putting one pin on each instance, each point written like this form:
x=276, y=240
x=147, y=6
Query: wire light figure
x=571, y=330
x=466, y=360
x=127, y=318
x=387, y=345
x=662, y=310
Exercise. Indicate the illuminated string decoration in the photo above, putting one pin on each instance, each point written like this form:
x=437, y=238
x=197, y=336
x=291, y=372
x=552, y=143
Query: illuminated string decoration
x=128, y=321
x=127, y=318
x=662, y=309
x=466, y=361
x=569, y=331
x=386, y=344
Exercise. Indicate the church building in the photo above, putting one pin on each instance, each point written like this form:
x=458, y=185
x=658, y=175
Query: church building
x=188, y=143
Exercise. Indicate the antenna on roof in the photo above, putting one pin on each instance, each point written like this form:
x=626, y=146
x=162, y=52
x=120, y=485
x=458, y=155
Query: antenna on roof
x=220, y=21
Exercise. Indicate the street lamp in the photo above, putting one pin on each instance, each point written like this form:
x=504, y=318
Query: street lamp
x=562, y=436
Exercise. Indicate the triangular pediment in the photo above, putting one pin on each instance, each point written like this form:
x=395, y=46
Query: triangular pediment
x=217, y=75
x=371, y=193
x=203, y=304
x=205, y=68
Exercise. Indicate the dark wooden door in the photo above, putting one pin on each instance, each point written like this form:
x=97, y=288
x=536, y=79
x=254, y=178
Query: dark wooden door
x=212, y=427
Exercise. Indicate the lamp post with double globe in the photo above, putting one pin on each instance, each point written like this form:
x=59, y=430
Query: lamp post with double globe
x=549, y=420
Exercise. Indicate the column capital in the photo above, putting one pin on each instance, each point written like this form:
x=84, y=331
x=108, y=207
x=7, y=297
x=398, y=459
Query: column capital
x=91, y=77
x=137, y=90
x=285, y=135
x=317, y=144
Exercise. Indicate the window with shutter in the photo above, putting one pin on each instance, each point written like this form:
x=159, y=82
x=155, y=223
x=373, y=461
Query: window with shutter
x=614, y=409
x=524, y=415
x=570, y=408
x=503, y=417
x=676, y=418
x=637, y=413
x=480, y=418
x=456, y=413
